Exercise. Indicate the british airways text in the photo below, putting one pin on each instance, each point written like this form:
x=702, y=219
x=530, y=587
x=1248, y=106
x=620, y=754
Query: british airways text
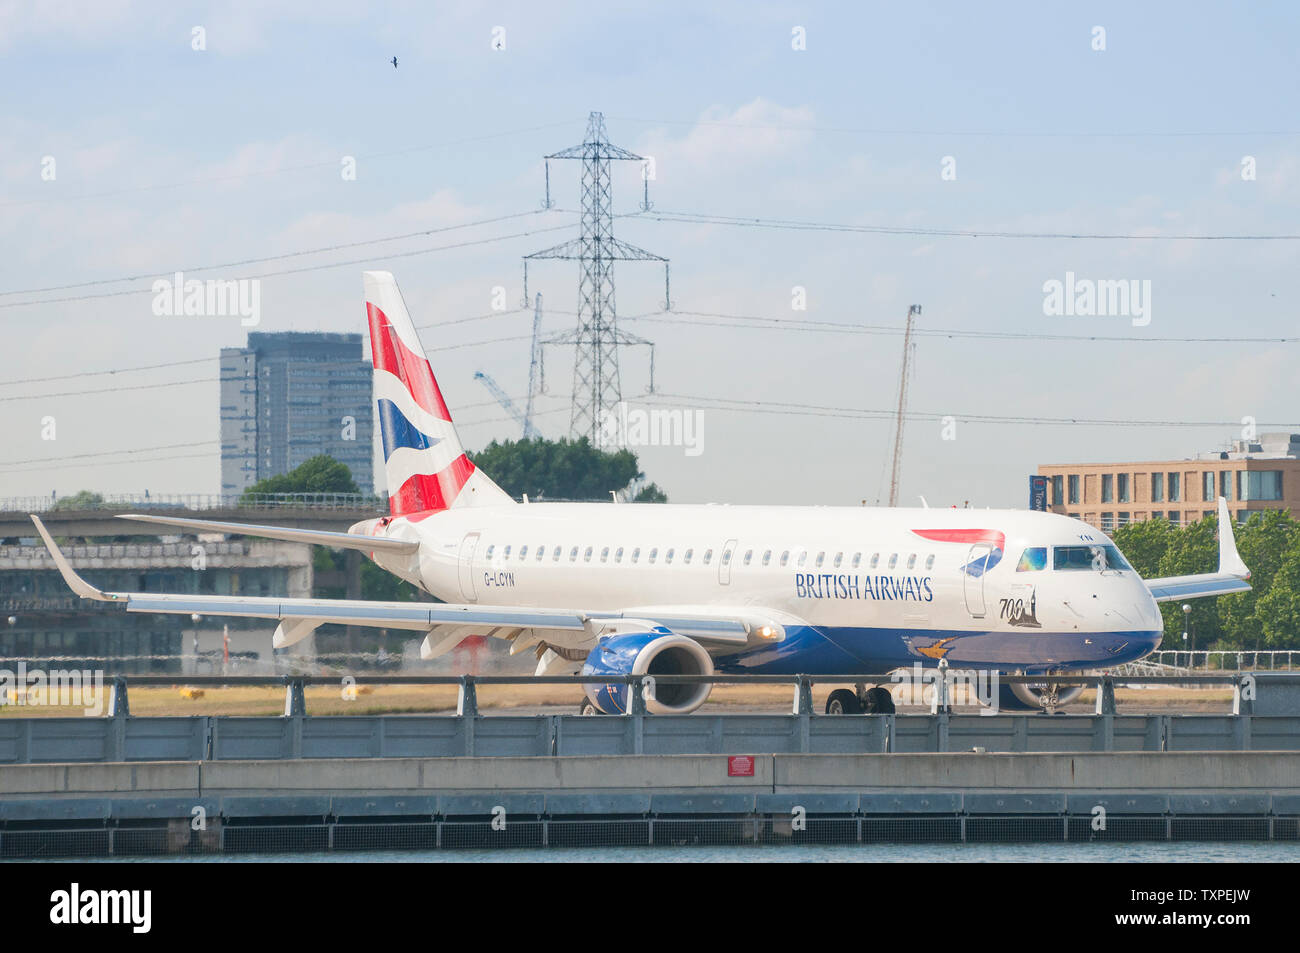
x=831, y=586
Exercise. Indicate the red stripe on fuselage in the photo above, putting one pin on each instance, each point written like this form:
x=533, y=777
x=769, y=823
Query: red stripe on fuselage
x=393, y=356
x=991, y=536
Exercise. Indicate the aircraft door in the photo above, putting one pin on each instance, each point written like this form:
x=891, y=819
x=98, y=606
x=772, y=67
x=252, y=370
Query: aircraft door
x=467, y=547
x=975, y=570
x=724, y=564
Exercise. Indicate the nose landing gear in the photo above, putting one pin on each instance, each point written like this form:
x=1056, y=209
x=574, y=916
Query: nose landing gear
x=1046, y=697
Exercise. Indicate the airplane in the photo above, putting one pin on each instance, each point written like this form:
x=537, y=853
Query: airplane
x=604, y=589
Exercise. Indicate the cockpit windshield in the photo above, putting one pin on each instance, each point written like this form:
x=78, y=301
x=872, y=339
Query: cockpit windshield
x=1034, y=559
x=1097, y=557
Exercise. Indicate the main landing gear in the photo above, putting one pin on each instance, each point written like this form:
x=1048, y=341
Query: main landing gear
x=862, y=701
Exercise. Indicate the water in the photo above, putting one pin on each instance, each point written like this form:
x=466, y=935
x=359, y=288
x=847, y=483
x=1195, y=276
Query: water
x=1158, y=852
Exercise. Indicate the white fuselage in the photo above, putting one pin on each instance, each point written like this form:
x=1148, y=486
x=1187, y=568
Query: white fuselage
x=857, y=587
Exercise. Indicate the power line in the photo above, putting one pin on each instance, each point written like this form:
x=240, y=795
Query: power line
x=703, y=218
x=109, y=390
x=969, y=133
x=113, y=463
x=307, y=268
x=819, y=410
x=763, y=322
x=204, y=360
x=217, y=380
x=281, y=257
x=120, y=370
x=109, y=453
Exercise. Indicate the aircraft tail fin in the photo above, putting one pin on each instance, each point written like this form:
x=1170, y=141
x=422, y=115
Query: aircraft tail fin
x=425, y=464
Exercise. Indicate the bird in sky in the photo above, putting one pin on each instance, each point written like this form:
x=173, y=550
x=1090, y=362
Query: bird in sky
x=394, y=62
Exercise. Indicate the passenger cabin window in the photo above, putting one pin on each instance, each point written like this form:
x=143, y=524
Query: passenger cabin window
x=839, y=558
x=1034, y=559
x=767, y=556
x=636, y=554
x=749, y=554
x=523, y=552
x=708, y=556
x=803, y=556
x=857, y=560
x=821, y=558
x=489, y=550
x=541, y=553
x=686, y=556
x=604, y=555
x=618, y=555
x=875, y=560
x=911, y=561
x=506, y=553
x=929, y=561
x=668, y=556
x=651, y=557
x=893, y=560
x=586, y=557
x=785, y=557
x=573, y=554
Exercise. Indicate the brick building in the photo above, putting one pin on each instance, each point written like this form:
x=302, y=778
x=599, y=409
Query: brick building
x=1257, y=475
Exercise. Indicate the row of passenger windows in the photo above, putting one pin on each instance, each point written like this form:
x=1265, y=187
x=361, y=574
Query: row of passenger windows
x=799, y=557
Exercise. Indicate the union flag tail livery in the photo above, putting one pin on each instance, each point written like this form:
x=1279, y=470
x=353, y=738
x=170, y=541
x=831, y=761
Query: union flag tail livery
x=424, y=463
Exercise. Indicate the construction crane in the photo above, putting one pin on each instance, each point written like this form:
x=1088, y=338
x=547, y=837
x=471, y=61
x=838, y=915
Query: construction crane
x=912, y=312
x=502, y=398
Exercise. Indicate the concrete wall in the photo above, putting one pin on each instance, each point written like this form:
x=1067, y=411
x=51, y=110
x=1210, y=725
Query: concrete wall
x=1205, y=773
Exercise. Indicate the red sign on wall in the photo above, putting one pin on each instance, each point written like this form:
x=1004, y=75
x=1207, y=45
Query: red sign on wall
x=740, y=766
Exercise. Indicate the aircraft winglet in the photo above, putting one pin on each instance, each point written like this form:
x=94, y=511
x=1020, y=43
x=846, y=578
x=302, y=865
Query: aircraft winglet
x=75, y=582
x=1230, y=561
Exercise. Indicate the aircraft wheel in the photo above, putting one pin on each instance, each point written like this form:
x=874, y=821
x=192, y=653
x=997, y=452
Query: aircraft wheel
x=879, y=701
x=843, y=702
x=587, y=708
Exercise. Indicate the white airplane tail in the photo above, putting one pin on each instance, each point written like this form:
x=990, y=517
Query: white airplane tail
x=425, y=464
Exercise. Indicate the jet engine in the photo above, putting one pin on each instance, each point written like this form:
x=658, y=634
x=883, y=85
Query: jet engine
x=655, y=652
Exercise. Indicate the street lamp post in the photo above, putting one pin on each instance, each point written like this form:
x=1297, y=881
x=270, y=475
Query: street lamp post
x=1187, y=624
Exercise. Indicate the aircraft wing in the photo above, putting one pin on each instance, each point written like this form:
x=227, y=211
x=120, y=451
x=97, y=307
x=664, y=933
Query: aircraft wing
x=1230, y=578
x=369, y=544
x=569, y=633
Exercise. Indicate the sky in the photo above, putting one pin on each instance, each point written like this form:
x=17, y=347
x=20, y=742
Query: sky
x=953, y=147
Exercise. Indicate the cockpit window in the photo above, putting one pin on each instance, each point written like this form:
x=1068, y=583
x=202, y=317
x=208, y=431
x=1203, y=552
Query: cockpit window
x=1034, y=559
x=1097, y=558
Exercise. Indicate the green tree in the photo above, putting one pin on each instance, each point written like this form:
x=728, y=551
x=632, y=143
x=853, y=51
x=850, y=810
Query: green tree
x=81, y=500
x=320, y=474
x=650, y=493
x=377, y=584
x=1264, y=543
x=1192, y=549
x=1277, y=609
x=1145, y=543
x=560, y=469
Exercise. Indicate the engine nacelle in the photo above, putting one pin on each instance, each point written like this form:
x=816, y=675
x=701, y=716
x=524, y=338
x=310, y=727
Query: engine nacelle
x=655, y=652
